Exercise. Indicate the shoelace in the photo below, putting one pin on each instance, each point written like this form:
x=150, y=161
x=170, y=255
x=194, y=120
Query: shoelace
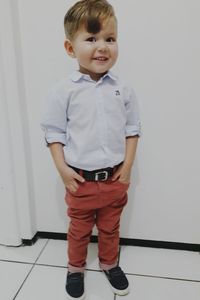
x=73, y=277
x=115, y=272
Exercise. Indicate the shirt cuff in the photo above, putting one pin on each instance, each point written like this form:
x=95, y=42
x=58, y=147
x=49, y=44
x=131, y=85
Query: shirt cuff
x=133, y=130
x=52, y=137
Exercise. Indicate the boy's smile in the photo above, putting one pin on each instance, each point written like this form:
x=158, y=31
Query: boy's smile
x=95, y=53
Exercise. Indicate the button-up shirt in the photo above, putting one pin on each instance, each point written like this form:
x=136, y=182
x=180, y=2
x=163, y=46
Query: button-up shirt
x=91, y=119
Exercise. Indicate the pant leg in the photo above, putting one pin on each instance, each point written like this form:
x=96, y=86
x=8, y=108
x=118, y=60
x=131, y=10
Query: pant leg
x=108, y=223
x=82, y=206
x=79, y=232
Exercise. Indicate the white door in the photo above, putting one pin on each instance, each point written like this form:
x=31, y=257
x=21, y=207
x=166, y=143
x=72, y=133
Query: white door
x=17, y=211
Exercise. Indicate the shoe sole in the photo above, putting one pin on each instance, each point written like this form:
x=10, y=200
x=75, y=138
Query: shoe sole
x=72, y=298
x=114, y=290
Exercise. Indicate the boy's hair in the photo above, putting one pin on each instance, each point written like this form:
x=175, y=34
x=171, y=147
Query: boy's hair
x=88, y=13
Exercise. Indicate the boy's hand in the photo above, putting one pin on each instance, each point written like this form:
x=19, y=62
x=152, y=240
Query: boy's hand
x=123, y=174
x=70, y=178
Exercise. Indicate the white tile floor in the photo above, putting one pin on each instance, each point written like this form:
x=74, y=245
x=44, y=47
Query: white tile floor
x=38, y=272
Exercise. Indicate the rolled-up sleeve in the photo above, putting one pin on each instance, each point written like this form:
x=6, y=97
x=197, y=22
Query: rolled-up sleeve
x=54, y=121
x=133, y=123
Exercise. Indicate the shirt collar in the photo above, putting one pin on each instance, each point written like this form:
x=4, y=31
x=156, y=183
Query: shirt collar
x=76, y=76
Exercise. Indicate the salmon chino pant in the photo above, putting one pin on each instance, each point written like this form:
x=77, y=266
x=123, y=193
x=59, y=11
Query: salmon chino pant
x=97, y=203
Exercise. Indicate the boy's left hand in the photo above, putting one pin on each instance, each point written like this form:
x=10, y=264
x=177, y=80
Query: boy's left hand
x=123, y=174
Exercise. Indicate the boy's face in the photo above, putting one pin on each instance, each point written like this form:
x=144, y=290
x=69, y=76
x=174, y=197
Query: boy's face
x=96, y=53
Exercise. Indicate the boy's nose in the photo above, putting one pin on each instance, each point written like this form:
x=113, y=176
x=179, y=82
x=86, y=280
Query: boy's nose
x=102, y=45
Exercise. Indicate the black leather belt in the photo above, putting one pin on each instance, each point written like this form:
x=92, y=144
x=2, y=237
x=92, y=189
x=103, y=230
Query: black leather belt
x=96, y=175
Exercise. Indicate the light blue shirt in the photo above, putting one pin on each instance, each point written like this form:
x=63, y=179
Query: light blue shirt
x=91, y=119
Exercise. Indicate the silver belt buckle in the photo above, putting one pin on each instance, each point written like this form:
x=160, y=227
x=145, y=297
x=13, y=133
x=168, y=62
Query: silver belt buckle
x=98, y=173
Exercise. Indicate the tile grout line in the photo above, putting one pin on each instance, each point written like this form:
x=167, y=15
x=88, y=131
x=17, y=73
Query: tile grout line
x=128, y=273
x=41, y=252
x=163, y=277
x=159, y=277
x=51, y=266
x=23, y=283
x=16, y=261
x=30, y=271
x=23, y=262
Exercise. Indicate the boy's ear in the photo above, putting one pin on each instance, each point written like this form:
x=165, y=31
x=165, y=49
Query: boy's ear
x=69, y=48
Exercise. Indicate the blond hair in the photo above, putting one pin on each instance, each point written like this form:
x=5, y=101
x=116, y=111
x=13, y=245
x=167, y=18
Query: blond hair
x=88, y=13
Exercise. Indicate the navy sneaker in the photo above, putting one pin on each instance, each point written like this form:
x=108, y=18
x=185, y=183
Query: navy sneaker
x=118, y=281
x=75, y=286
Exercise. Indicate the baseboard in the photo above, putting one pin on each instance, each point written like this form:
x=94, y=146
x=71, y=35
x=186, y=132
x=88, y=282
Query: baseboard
x=30, y=242
x=123, y=241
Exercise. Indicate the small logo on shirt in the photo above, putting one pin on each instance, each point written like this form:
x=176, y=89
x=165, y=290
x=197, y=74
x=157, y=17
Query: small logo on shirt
x=117, y=93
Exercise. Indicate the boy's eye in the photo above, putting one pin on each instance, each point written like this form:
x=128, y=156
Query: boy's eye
x=91, y=39
x=110, y=40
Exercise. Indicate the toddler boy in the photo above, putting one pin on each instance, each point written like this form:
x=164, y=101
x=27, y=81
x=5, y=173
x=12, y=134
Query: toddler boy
x=92, y=128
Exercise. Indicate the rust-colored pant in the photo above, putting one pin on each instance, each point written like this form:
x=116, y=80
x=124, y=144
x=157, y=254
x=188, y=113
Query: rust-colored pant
x=99, y=203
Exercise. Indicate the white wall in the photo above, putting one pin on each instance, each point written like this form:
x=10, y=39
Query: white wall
x=159, y=55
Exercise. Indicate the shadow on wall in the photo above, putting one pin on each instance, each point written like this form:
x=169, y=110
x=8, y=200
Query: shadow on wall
x=61, y=205
x=127, y=214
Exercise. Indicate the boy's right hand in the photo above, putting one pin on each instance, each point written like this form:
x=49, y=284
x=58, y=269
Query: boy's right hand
x=70, y=178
